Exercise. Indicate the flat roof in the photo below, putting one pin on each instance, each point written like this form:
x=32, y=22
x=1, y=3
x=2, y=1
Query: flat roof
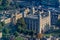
x=32, y=16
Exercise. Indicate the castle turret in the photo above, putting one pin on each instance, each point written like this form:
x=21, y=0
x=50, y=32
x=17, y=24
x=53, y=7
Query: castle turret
x=26, y=12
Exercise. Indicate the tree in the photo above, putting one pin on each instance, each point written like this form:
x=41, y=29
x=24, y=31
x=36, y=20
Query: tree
x=0, y=2
x=19, y=29
x=4, y=4
x=58, y=23
x=1, y=25
x=6, y=30
x=5, y=34
x=16, y=34
x=21, y=22
x=19, y=38
x=31, y=32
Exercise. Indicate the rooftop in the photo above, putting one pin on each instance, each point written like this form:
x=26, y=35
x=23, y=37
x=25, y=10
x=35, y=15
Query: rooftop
x=32, y=16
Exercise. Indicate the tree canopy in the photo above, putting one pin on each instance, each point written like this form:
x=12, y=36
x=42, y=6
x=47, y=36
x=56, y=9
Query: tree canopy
x=58, y=23
x=4, y=4
x=1, y=25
